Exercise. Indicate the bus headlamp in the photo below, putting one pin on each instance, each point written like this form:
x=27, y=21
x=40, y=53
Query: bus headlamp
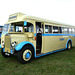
x=2, y=43
x=13, y=44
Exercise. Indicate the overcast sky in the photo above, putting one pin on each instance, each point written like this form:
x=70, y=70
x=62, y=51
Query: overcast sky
x=56, y=10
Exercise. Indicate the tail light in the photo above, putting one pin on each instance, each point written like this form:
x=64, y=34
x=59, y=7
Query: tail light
x=35, y=37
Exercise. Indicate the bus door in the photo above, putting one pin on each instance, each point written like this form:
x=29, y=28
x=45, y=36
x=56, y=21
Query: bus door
x=39, y=31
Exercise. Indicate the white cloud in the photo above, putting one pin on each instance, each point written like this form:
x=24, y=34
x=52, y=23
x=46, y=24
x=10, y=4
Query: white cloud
x=58, y=10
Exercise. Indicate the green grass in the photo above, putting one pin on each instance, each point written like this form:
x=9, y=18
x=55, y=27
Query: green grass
x=61, y=63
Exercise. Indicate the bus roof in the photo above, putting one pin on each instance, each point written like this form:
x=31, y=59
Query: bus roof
x=21, y=17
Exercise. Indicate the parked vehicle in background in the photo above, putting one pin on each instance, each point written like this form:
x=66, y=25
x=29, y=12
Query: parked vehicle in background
x=1, y=29
x=30, y=37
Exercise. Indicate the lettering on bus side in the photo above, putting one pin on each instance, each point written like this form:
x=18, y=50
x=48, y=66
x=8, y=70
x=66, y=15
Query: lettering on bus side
x=61, y=39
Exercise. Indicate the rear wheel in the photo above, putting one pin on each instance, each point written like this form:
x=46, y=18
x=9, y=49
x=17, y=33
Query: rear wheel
x=69, y=45
x=25, y=55
x=4, y=55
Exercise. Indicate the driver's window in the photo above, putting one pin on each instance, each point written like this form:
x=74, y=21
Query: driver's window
x=11, y=28
x=19, y=29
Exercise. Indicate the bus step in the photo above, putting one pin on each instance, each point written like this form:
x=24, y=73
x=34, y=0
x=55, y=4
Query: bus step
x=39, y=54
x=38, y=51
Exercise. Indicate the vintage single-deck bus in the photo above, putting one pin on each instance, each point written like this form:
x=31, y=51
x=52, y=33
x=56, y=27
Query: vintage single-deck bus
x=30, y=37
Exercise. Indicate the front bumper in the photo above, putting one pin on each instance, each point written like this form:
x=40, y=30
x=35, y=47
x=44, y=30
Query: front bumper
x=11, y=51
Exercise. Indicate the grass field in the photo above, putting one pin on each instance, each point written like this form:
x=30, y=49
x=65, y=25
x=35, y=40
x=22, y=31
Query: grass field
x=61, y=63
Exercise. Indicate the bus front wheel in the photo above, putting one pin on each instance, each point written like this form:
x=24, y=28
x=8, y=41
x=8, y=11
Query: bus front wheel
x=69, y=45
x=25, y=55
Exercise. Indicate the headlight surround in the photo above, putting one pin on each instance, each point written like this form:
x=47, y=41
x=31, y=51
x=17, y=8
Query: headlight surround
x=2, y=43
x=13, y=44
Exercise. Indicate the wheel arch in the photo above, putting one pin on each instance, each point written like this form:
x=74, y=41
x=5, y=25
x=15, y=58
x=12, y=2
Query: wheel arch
x=68, y=41
x=23, y=44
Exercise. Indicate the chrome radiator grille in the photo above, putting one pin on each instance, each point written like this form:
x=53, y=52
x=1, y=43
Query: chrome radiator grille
x=7, y=43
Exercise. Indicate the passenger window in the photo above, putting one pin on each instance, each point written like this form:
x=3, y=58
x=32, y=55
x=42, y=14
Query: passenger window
x=46, y=28
x=60, y=29
x=55, y=29
x=65, y=30
x=29, y=27
x=50, y=29
x=70, y=30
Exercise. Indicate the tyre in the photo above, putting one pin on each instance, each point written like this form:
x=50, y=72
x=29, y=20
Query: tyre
x=25, y=55
x=3, y=54
x=69, y=45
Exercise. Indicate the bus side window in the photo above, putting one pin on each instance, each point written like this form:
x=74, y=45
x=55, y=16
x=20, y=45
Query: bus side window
x=46, y=28
x=65, y=30
x=55, y=29
x=70, y=30
x=50, y=29
x=60, y=29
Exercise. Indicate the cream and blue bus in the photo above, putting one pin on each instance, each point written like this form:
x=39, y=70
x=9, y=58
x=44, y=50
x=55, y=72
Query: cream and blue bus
x=30, y=37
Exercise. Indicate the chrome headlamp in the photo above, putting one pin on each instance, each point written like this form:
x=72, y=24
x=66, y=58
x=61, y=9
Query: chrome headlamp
x=2, y=43
x=13, y=44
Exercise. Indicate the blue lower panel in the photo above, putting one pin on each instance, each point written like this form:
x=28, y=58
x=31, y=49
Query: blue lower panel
x=55, y=34
x=51, y=52
x=0, y=46
x=11, y=51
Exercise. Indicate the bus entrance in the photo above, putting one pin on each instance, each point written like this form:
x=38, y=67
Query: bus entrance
x=39, y=31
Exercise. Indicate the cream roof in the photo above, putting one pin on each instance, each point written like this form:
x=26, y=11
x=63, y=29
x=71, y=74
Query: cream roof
x=22, y=17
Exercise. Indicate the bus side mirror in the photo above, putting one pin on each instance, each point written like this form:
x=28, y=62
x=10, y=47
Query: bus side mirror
x=25, y=23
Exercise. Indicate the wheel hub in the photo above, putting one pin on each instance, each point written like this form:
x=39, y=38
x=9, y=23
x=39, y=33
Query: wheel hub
x=27, y=54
